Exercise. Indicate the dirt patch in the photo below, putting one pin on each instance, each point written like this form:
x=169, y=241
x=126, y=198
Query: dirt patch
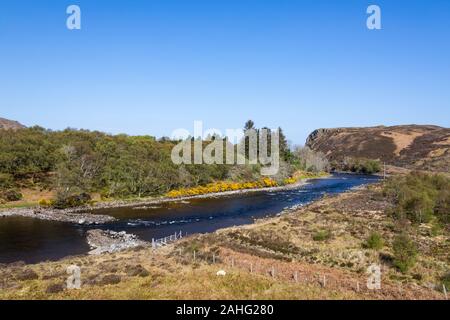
x=109, y=279
x=26, y=274
x=137, y=271
x=402, y=140
x=55, y=288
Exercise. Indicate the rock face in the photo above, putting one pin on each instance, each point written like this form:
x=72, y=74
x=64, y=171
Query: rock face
x=6, y=124
x=109, y=241
x=411, y=146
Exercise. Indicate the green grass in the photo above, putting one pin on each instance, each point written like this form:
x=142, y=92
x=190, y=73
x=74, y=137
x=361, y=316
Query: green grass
x=322, y=235
x=19, y=205
x=374, y=241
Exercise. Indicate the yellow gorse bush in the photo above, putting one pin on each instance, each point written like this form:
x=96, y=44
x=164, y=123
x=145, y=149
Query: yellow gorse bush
x=45, y=202
x=222, y=186
x=290, y=180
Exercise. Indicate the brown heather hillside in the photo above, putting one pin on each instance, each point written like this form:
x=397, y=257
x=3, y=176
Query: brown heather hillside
x=423, y=147
x=10, y=125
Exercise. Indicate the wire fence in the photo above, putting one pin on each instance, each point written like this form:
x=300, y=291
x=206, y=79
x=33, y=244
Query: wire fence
x=161, y=242
x=291, y=274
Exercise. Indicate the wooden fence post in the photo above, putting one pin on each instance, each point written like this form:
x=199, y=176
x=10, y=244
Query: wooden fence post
x=296, y=276
x=445, y=291
x=214, y=258
x=273, y=272
x=194, y=255
x=251, y=267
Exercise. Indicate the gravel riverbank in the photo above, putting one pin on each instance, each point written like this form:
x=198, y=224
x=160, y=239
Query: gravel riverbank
x=57, y=215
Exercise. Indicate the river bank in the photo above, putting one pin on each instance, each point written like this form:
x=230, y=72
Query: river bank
x=83, y=215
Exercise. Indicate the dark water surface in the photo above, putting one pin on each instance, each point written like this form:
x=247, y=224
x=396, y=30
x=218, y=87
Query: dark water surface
x=31, y=240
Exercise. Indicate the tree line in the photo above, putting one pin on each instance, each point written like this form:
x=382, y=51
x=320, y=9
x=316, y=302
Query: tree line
x=76, y=163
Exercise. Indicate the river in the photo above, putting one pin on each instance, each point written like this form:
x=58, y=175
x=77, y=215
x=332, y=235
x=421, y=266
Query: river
x=31, y=240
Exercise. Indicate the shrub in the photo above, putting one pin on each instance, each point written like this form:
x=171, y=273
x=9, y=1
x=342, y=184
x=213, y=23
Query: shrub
x=374, y=241
x=6, y=181
x=418, y=206
x=291, y=180
x=45, y=203
x=322, y=235
x=11, y=195
x=405, y=253
x=54, y=288
x=361, y=165
x=446, y=280
x=62, y=201
x=110, y=279
x=442, y=206
x=27, y=274
x=420, y=196
x=221, y=186
x=137, y=271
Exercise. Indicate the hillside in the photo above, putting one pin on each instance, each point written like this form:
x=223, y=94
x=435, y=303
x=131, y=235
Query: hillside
x=422, y=147
x=10, y=124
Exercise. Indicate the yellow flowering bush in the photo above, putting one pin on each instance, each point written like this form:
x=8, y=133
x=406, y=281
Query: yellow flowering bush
x=290, y=180
x=45, y=202
x=222, y=186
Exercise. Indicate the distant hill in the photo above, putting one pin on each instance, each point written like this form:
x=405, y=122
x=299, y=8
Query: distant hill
x=6, y=124
x=422, y=147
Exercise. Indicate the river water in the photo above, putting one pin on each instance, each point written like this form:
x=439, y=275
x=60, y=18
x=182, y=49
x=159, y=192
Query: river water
x=32, y=240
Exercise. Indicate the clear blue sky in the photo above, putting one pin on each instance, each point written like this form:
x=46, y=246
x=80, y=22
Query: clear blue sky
x=149, y=67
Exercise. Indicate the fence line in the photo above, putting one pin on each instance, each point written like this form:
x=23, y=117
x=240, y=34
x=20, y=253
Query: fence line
x=322, y=280
x=161, y=242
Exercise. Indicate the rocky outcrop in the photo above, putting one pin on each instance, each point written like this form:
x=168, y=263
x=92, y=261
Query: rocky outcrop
x=108, y=241
x=411, y=146
x=6, y=124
